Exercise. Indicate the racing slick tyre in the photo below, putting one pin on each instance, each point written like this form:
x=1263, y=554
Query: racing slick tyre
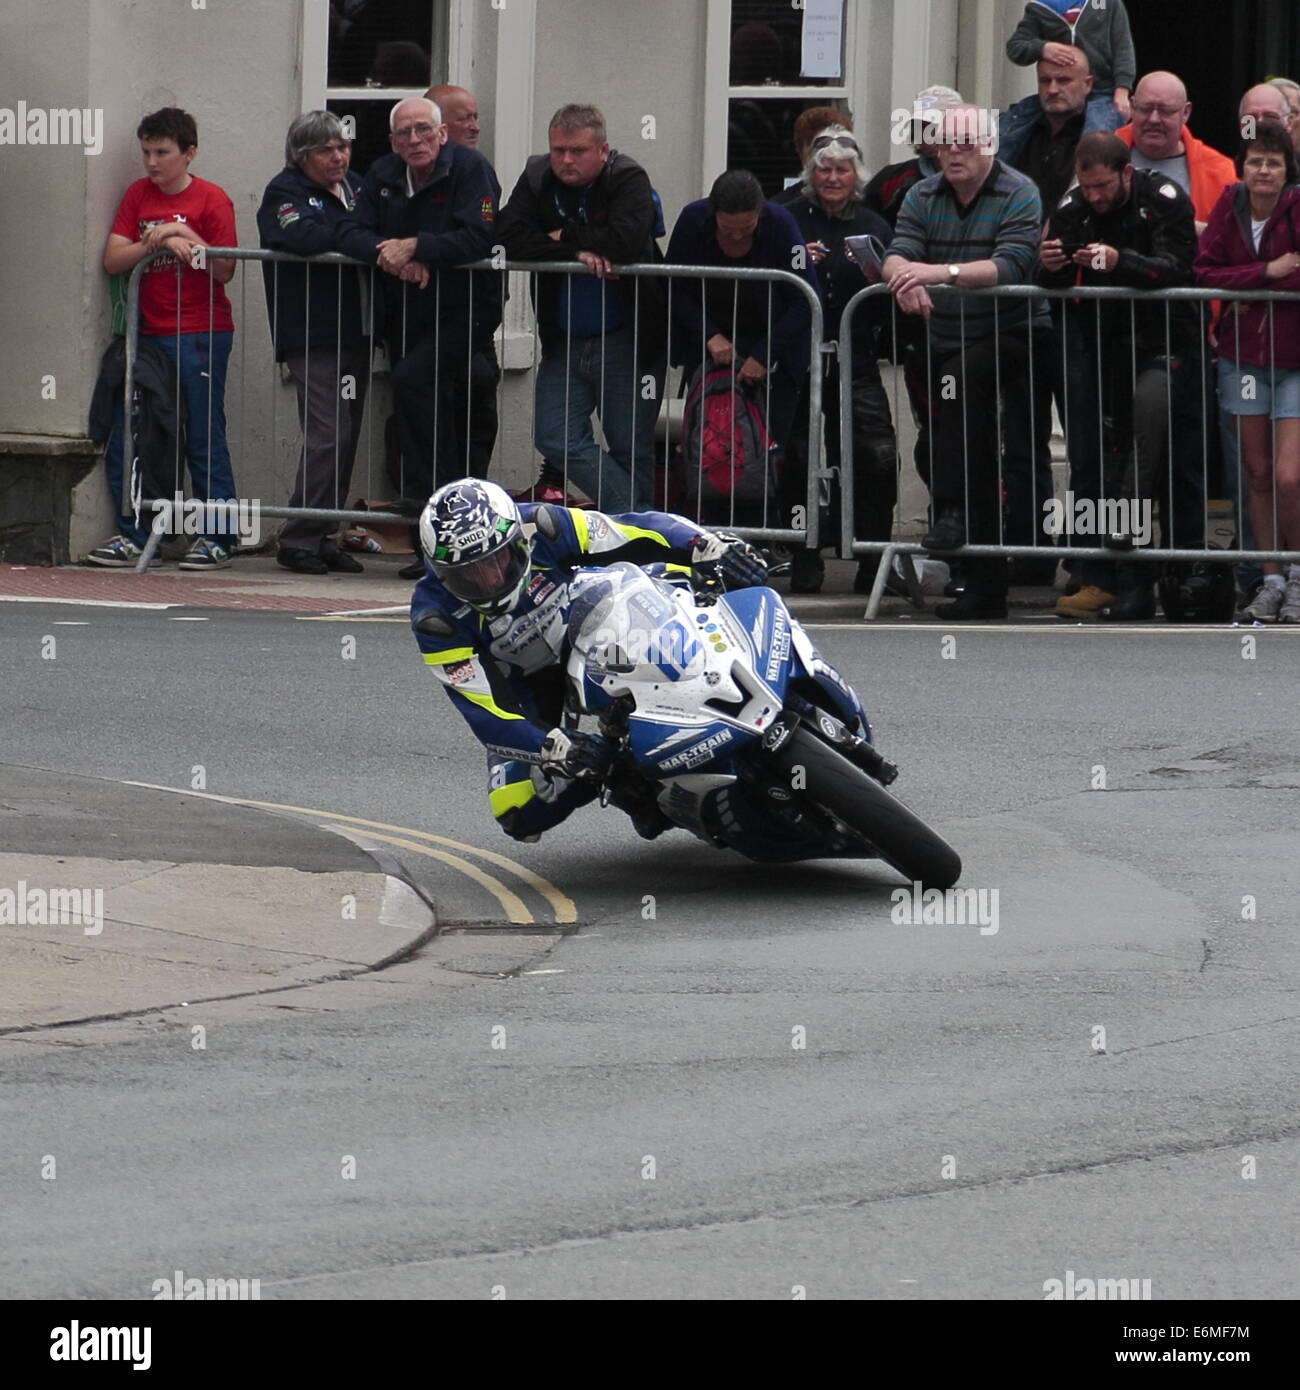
x=902, y=840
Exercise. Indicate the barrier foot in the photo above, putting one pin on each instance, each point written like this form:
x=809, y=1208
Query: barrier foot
x=150, y=550
x=883, y=568
x=913, y=582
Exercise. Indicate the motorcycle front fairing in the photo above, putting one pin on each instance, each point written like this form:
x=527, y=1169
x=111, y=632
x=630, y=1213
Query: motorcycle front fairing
x=706, y=679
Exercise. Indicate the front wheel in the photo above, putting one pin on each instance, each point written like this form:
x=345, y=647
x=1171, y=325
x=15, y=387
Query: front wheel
x=902, y=839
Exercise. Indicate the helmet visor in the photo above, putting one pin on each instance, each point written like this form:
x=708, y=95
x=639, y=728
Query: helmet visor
x=487, y=577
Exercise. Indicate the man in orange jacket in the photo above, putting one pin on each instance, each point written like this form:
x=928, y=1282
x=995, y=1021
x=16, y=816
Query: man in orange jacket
x=1160, y=140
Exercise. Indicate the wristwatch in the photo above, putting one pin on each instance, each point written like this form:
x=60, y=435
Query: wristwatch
x=953, y=272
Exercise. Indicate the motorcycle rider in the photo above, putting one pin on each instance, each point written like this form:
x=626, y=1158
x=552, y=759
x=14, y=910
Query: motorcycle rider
x=490, y=616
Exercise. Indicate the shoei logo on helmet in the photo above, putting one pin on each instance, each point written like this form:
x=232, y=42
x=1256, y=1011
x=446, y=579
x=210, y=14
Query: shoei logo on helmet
x=470, y=539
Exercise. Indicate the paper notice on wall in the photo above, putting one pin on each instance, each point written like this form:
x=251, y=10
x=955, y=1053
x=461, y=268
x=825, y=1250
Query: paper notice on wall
x=823, y=38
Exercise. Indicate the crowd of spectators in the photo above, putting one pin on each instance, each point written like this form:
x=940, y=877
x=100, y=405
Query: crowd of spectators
x=1097, y=179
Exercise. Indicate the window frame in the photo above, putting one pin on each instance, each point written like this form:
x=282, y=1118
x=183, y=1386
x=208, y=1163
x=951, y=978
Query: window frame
x=719, y=93
x=314, y=90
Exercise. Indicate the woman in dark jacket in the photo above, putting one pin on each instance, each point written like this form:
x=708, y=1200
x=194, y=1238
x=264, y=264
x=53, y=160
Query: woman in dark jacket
x=829, y=210
x=1252, y=241
x=316, y=325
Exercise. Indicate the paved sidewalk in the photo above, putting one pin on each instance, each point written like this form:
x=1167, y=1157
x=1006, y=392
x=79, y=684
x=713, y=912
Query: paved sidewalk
x=178, y=898
x=251, y=582
x=256, y=582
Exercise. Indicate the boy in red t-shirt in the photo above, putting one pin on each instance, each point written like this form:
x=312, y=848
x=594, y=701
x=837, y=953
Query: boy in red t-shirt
x=185, y=312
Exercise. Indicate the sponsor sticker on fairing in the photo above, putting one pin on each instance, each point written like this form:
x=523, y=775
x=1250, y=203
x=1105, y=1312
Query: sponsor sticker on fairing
x=700, y=753
x=780, y=652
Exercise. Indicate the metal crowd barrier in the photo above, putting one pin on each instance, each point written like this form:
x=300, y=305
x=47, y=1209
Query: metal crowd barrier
x=1039, y=380
x=762, y=523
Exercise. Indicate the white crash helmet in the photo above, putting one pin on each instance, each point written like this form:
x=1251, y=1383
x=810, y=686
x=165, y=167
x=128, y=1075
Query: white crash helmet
x=473, y=540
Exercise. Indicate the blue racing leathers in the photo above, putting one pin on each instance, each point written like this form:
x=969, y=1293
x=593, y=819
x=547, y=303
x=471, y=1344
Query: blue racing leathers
x=505, y=674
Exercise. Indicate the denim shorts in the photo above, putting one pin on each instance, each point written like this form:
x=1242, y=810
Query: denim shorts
x=1247, y=390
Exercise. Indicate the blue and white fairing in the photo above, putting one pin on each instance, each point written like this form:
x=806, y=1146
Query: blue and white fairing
x=707, y=680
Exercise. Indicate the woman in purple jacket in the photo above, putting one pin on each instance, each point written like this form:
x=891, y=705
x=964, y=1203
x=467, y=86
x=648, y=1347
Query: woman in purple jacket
x=1253, y=242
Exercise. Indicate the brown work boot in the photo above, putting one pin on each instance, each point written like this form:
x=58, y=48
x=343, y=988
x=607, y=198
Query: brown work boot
x=1087, y=603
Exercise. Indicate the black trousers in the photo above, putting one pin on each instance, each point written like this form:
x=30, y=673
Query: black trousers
x=1026, y=493
x=982, y=416
x=477, y=418
x=331, y=384
x=875, y=454
x=1136, y=434
x=917, y=372
x=431, y=384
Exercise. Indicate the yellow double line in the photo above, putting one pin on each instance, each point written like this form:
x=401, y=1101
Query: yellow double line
x=514, y=907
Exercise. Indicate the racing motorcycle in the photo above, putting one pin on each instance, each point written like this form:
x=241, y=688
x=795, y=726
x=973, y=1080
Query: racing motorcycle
x=729, y=725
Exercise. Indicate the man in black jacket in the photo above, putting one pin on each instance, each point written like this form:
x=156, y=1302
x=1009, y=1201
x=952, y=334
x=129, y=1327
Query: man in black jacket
x=426, y=208
x=602, y=337
x=478, y=426
x=1039, y=137
x=315, y=314
x=1136, y=365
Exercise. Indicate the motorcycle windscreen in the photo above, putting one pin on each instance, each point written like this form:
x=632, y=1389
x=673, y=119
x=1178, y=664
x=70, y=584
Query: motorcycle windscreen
x=623, y=624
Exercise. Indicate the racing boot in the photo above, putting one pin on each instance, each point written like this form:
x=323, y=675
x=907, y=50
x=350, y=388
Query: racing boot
x=640, y=802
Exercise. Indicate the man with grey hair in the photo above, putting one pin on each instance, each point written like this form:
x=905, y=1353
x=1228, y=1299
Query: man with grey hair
x=1291, y=91
x=425, y=210
x=975, y=225
x=602, y=340
x=316, y=327
x=1263, y=104
x=459, y=111
x=884, y=194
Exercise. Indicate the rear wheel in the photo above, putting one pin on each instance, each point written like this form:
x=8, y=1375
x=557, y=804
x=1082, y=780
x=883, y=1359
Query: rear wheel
x=902, y=839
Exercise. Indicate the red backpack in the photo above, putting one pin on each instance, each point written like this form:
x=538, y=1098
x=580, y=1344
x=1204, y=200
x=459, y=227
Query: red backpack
x=728, y=458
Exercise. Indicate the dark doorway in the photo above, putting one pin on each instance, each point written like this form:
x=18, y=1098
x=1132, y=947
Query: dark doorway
x=1218, y=50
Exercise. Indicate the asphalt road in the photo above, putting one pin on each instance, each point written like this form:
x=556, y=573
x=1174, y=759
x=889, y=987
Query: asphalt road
x=719, y=1081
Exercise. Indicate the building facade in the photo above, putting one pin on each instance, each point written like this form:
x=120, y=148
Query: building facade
x=684, y=85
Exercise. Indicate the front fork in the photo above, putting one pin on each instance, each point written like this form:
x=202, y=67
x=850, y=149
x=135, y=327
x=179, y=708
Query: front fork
x=835, y=732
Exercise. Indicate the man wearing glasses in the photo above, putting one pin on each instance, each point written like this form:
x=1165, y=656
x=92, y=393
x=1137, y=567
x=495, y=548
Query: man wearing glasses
x=1161, y=141
x=975, y=224
x=428, y=207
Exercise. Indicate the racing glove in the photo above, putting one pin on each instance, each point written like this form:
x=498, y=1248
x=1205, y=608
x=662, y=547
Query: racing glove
x=734, y=562
x=573, y=754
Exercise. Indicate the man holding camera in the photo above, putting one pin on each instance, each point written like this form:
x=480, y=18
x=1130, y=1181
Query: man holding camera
x=1133, y=227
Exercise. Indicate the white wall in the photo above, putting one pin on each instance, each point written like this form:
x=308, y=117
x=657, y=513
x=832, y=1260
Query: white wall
x=633, y=59
x=235, y=69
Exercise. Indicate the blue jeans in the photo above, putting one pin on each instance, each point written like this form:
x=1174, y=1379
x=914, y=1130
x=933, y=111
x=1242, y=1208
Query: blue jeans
x=1248, y=572
x=576, y=378
x=206, y=453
